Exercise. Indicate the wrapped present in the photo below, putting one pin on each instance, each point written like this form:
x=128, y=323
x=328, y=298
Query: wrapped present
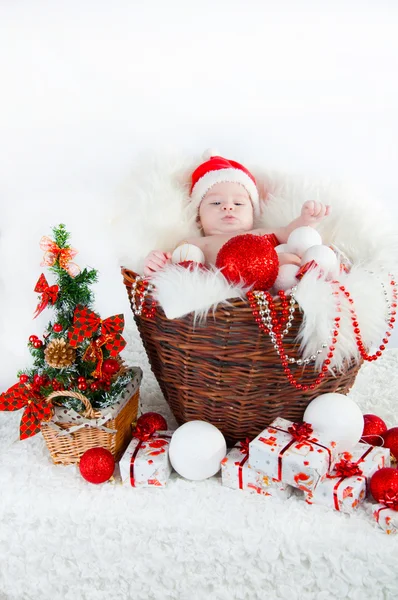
x=292, y=453
x=347, y=484
x=387, y=518
x=237, y=474
x=146, y=461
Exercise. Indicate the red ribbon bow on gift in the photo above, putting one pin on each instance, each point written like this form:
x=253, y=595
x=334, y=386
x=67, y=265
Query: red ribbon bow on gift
x=143, y=432
x=85, y=325
x=244, y=446
x=52, y=252
x=346, y=468
x=390, y=499
x=300, y=431
x=37, y=409
x=49, y=294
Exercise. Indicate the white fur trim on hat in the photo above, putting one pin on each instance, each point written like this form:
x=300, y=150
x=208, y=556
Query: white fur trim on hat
x=220, y=176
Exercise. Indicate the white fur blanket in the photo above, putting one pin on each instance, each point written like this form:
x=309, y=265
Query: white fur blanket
x=64, y=539
x=152, y=211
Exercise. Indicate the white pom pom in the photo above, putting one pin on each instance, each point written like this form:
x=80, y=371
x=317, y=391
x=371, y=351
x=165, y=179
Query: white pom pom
x=324, y=257
x=303, y=238
x=209, y=153
x=187, y=252
x=286, y=277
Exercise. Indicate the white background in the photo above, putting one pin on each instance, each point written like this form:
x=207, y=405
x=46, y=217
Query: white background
x=86, y=86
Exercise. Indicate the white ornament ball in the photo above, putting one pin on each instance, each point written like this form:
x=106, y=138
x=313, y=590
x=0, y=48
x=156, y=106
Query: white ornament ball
x=286, y=278
x=324, y=257
x=197, y=449
x=187, y=252
x=337, y=418
x=303, y=238
x=282, y=248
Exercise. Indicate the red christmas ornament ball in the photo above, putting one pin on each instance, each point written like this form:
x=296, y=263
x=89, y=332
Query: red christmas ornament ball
x=391, y=441
x=97, y=465
x=33, y=338
x=110, y=366
x=82, y=386
x=57, y=327
x=151, y=422
x=384, y=487
x=23, y=378
x=38, y=380
x=251, y=259
x=94, y=387
x=373, y=429
x=37, y=343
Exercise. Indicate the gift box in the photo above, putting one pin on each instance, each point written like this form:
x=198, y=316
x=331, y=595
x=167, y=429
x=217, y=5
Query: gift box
x=146, y=462
x=387, y=518
x=292, y=453
x=238, y=475
x=347, y=484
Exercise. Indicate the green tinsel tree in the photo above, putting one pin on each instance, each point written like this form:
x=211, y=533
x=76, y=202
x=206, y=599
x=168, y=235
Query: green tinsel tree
x=58, y=365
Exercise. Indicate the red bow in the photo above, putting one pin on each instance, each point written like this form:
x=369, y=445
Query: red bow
x=86, y=323
x=143, y=432
x=300, y=431
x=390, y=499
x=244, y=446
x=49, y=294
x=37, y=409
x=346, y=468
x=52, y=252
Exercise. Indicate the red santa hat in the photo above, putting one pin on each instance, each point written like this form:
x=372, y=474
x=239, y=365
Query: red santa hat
x=217, y=170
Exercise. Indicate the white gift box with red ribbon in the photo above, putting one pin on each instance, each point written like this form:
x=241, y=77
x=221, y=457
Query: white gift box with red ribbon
x=346, y=486
x=238, y=475
x=146, y=463
x=292, y=453
x=387, y=518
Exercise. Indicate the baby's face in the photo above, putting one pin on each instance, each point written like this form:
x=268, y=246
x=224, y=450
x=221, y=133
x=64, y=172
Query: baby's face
x=226, y=208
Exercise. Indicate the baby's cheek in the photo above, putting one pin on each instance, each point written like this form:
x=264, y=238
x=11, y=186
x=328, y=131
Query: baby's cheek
x=288, y=258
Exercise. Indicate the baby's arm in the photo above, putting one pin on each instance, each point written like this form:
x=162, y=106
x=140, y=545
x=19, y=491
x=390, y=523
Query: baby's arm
x=156, y=260
x=312, y=213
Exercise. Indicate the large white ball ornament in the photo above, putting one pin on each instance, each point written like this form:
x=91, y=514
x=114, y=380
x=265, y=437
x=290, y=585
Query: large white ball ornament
x=187, y=252
x=324, y=257
x=336, y=417
x=303, y=238
x=286, y=278
x=197, y=449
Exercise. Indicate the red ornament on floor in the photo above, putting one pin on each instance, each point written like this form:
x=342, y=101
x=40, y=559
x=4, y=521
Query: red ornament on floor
x=150, y=422
x=97, y=465
x=391, y=441
x=374, y=427
x=251, y=259
x=384, y=487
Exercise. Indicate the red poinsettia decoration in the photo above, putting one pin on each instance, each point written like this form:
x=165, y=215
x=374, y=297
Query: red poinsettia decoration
x=37, y=409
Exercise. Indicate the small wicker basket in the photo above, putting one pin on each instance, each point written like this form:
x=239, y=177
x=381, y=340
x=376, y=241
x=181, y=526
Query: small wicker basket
x=68, y=449
x=226, y=371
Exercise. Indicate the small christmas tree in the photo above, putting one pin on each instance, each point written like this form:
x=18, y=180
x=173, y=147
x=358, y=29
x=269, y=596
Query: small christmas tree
x=79, y=351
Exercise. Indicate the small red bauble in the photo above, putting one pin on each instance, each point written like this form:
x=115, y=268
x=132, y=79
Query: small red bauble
x=94, y=387
x=57, y=327
x=151, y=422
x=81, y=379
x=391, y=441
x=97, y=465
x=38, y=379
x=82, y=386
x=251, y=259
x=33, y=338
x=110, y=366
x=384, y=487
x=23, y=378
x=37, y=343
x=373, y=429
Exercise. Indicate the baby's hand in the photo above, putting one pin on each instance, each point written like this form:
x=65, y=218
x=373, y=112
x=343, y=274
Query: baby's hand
x=155, y=261
x=313, y=212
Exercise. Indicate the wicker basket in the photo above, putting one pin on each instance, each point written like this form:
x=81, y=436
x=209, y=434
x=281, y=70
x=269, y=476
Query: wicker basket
x=227, y=372
x=67, y=449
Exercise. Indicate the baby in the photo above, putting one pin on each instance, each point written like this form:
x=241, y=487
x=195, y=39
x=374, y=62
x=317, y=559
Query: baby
x=226, y=198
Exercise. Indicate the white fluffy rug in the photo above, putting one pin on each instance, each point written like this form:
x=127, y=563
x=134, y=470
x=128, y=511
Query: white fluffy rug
x=62, y=538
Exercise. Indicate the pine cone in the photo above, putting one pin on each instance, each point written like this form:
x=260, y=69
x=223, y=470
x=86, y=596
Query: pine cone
x=59, y=354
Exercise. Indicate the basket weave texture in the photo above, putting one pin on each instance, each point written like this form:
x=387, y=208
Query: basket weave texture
x=68, y=449
x=227, y=371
